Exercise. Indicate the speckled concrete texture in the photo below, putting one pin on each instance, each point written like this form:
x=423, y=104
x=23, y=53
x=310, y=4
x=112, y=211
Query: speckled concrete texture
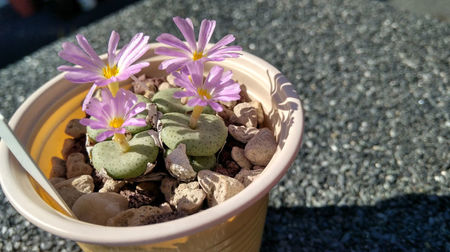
x=374, y=169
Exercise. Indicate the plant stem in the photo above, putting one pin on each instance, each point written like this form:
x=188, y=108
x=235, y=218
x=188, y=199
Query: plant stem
x=113, y=87
x=122, y=141
x=194, y=116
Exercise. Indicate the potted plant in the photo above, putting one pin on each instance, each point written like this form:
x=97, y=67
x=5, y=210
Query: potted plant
x=234, y=224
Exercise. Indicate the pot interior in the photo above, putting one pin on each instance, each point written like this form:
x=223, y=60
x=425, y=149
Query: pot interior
x=49, y=136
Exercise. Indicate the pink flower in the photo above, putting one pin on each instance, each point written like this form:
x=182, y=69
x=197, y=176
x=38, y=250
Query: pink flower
x=194, y=51
x=114, y=113
x=218, y=86
x=91, y=68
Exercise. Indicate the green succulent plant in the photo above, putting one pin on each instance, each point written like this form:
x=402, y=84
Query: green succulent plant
x=166, y=103
x=108, y=156
x=205, y=140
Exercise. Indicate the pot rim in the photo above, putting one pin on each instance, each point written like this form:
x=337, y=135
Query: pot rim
x=90, y=233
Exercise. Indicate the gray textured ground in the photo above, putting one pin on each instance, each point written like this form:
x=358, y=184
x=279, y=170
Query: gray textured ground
x=374, y=170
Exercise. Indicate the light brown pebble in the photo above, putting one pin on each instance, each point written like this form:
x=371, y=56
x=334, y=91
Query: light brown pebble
x=98, y=94
x=230, y=168
x=139, y=86
x=243, y=94
x=56, y=180
x=184, y=100
x=58, y=168
x=152, y=115
x=168, y=186
x=137, y=216
x=165, y=207
x=218, y=187
x=178, y=165
x=148, y=186
x=188, y=197
x=71, y=189
x=237, y=154
x=112, y=185
x=75, y=129
x=77, y=166
x=242, y=133
x=228, y=116
x=145, y=86
x=259, y=112
x=248, y=176
x=246, y=114
x=149, y=94
x=260, y=149
x=68, y=146
x=97, y=208
x=170, y=79
x=257, y=167
x=164, y=85
x=229, y=104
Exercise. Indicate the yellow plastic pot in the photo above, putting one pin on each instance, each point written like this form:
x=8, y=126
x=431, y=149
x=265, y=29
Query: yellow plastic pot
x=235, y=225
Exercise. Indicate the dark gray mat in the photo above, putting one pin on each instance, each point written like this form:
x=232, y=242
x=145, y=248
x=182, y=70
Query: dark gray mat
x=374, y=169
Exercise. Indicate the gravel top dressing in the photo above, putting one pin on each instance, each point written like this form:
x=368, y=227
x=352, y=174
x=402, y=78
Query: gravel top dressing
x=374, y=169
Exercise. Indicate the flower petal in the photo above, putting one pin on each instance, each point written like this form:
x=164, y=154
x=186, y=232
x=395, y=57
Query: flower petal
x=228, y=88
x=225, y=49
x=227, y=98
x=133, y=69
x=213, y=77
x=104, y=135
x=195, y=101
x=122, y=102
x=134, y=52
x=216, y=106
x=88, y=97
x=84, y=44
x=65, y=68
x=226, y=76
x=93, y=124
x=81, y=77
x=95, y=110
x=171, y=40
x=195, y=69
x=75, y=55
x=221, y=57
x=206, y=30
x=187, y=29
x=139, y=52
x=223, y=42
x=170, y=52
x=104, y=82
x=171, y=65
x=138, y=108
x=180, y=94
x=106, y=96
x=140, y=122
x=112, y=47
x=185, y=83
x=128, y=48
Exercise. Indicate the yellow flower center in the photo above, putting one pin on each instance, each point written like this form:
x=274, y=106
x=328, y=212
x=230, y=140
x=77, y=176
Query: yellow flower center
x=197, y=55
x=116, y=122
x=203, y=92
x=109, y=72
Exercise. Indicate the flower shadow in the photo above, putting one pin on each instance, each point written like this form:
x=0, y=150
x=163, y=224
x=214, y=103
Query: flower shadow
x=284, y=104
x=140, y=149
